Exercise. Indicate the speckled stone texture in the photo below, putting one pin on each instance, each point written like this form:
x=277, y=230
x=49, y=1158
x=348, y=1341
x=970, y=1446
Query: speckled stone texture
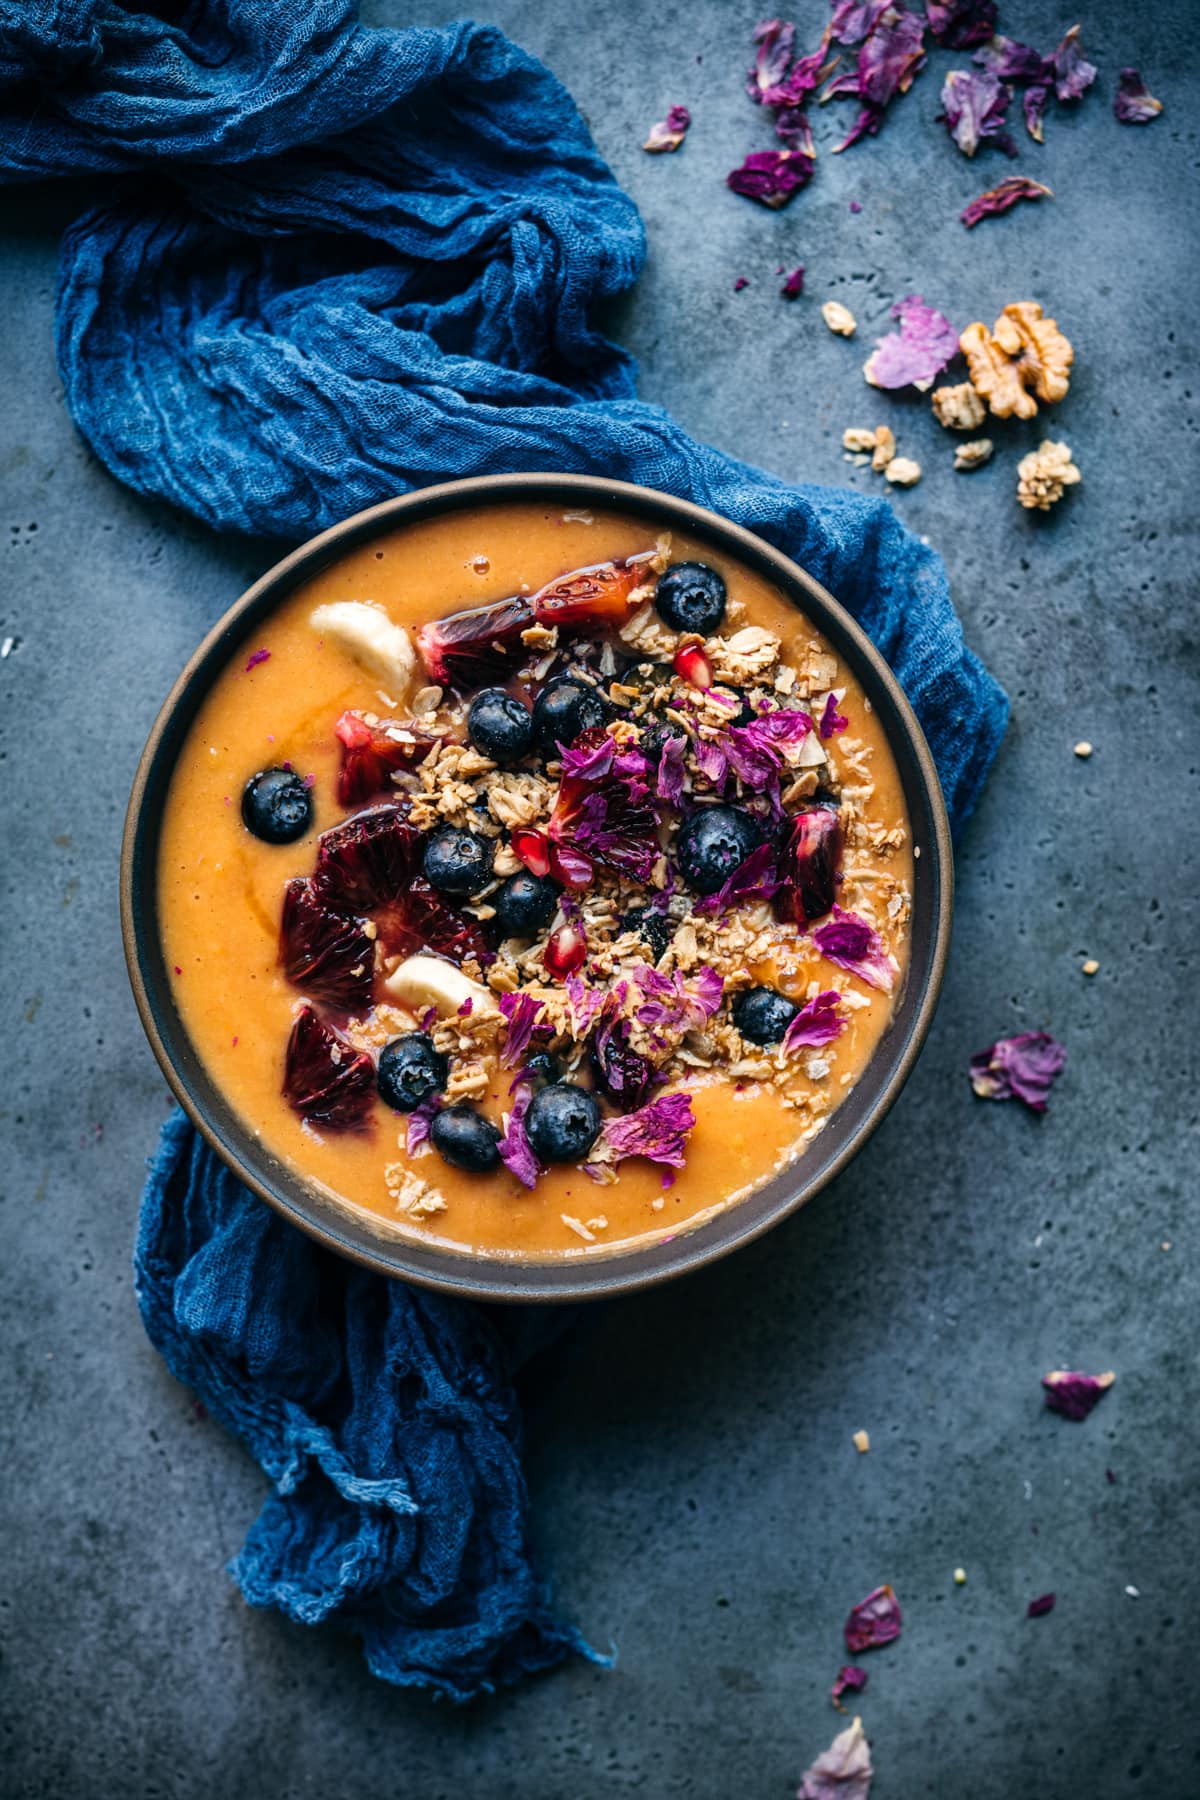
x=698, y=1497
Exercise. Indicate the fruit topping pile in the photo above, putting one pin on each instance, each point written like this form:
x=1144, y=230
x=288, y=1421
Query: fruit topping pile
x=622, y=844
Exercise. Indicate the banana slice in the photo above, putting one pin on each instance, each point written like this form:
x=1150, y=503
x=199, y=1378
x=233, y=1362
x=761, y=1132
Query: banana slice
x=422, y=981
x=369, y=635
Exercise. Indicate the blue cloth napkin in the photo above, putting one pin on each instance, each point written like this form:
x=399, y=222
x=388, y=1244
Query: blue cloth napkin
x=338, y=264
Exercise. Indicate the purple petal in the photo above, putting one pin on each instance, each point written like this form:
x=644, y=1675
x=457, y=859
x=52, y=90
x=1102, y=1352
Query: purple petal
x=668, y=785
x=853, y=20
x=852, y=943
x=1011, y=61
x=974, y=109
x=1000, y=198
x=874, y=1621
x=670, y=132
x=515, y=1150
x=521, y=1011
x=755, y=879
x=585, y=1002
x=815, y=1024
x=956, y=24
x=774, y=39
x=843, y=1772
x=831, y=719
x=1073, y=74
x=591, y=762
x=258, y=656
x=416, y=1131
x=1074, y=1394
x=1034, y=108
x=850, y=1680
x=793, y=287
x=658, y=1130
x=1134, y=104
x=1019, y=1068
x=1037, y=1609
x=772, y=177
x=920, y=350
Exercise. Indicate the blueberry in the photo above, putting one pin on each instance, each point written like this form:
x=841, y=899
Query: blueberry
x=525, y=905
x=562, y=1124
x=564, y=709
x=541, y=1066
x=276, y=806
x=652, y=741
x=763, y=1014
x=465, y=1139
x=499, y=726
x=410, y=1069
x=712, y=843
x=652, y=927
x=691, y=597
x=458, y=862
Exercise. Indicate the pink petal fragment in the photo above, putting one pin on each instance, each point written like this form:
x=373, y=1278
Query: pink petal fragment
x=843, y=1772
x=1074, y=1394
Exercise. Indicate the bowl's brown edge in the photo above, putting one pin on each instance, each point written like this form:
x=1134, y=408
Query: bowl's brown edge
x=484, y=1278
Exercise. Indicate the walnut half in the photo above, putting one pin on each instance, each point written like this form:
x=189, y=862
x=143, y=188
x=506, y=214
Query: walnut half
x=1044, y=474
x=1024, y=356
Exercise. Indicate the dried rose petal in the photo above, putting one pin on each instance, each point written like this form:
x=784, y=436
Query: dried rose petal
x=852, y=943
x=974, y=109
x=850, y=1680
x=1134, y=104
x=1019, y=1068
x=853, y=20
x=874, y=1621
x=1000, y=198
x=262, y=656
x=521, y=1011
x=658, y=1131
x=1034, y=107
x=888, y=62
x=808, y=865
x=1037, y=1609
x=1074, y=1394
x=772, y=177
x=916, y=354
x=740, y=283
x=1011, y=61
x=831, y=719
x=1073, y=74
x=793, y=287
x=774, y=39
x=956, y=24
x=815, y=1024
x=670, y=132
x=843, y=1772
x=516, y=1152
x=754, y=879
x=416, y=1130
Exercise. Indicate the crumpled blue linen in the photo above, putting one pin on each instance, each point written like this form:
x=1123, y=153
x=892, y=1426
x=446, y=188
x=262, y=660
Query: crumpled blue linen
x=325, y=265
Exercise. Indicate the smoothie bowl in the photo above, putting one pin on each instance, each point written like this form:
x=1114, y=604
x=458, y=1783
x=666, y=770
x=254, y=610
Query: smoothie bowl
x=536, y=887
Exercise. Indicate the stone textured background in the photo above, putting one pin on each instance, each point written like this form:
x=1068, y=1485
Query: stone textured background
x=698, y=1499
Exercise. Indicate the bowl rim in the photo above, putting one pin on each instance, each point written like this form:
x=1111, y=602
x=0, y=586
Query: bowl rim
x=478, y=1275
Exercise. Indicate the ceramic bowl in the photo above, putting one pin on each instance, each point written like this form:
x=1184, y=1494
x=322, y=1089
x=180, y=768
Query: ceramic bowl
x=487, y=1277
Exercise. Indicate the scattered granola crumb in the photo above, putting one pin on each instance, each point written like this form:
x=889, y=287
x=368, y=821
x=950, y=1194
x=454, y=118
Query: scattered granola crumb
x=960, y=1577
x=578, y=1227
x=973, y=455
x=840, y=320
x=902, y=471
x=1083, y=749
x=1091, y=966
x=958, y=408
x=862, y=1442
x=1045, y=474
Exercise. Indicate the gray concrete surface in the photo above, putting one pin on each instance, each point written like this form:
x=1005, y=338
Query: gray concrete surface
x=698, y=1498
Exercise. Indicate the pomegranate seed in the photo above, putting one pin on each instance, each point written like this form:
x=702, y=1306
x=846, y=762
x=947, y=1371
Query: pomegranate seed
x=533, y=848
x=571, y=866
x=565, y=952
x=692, y=665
